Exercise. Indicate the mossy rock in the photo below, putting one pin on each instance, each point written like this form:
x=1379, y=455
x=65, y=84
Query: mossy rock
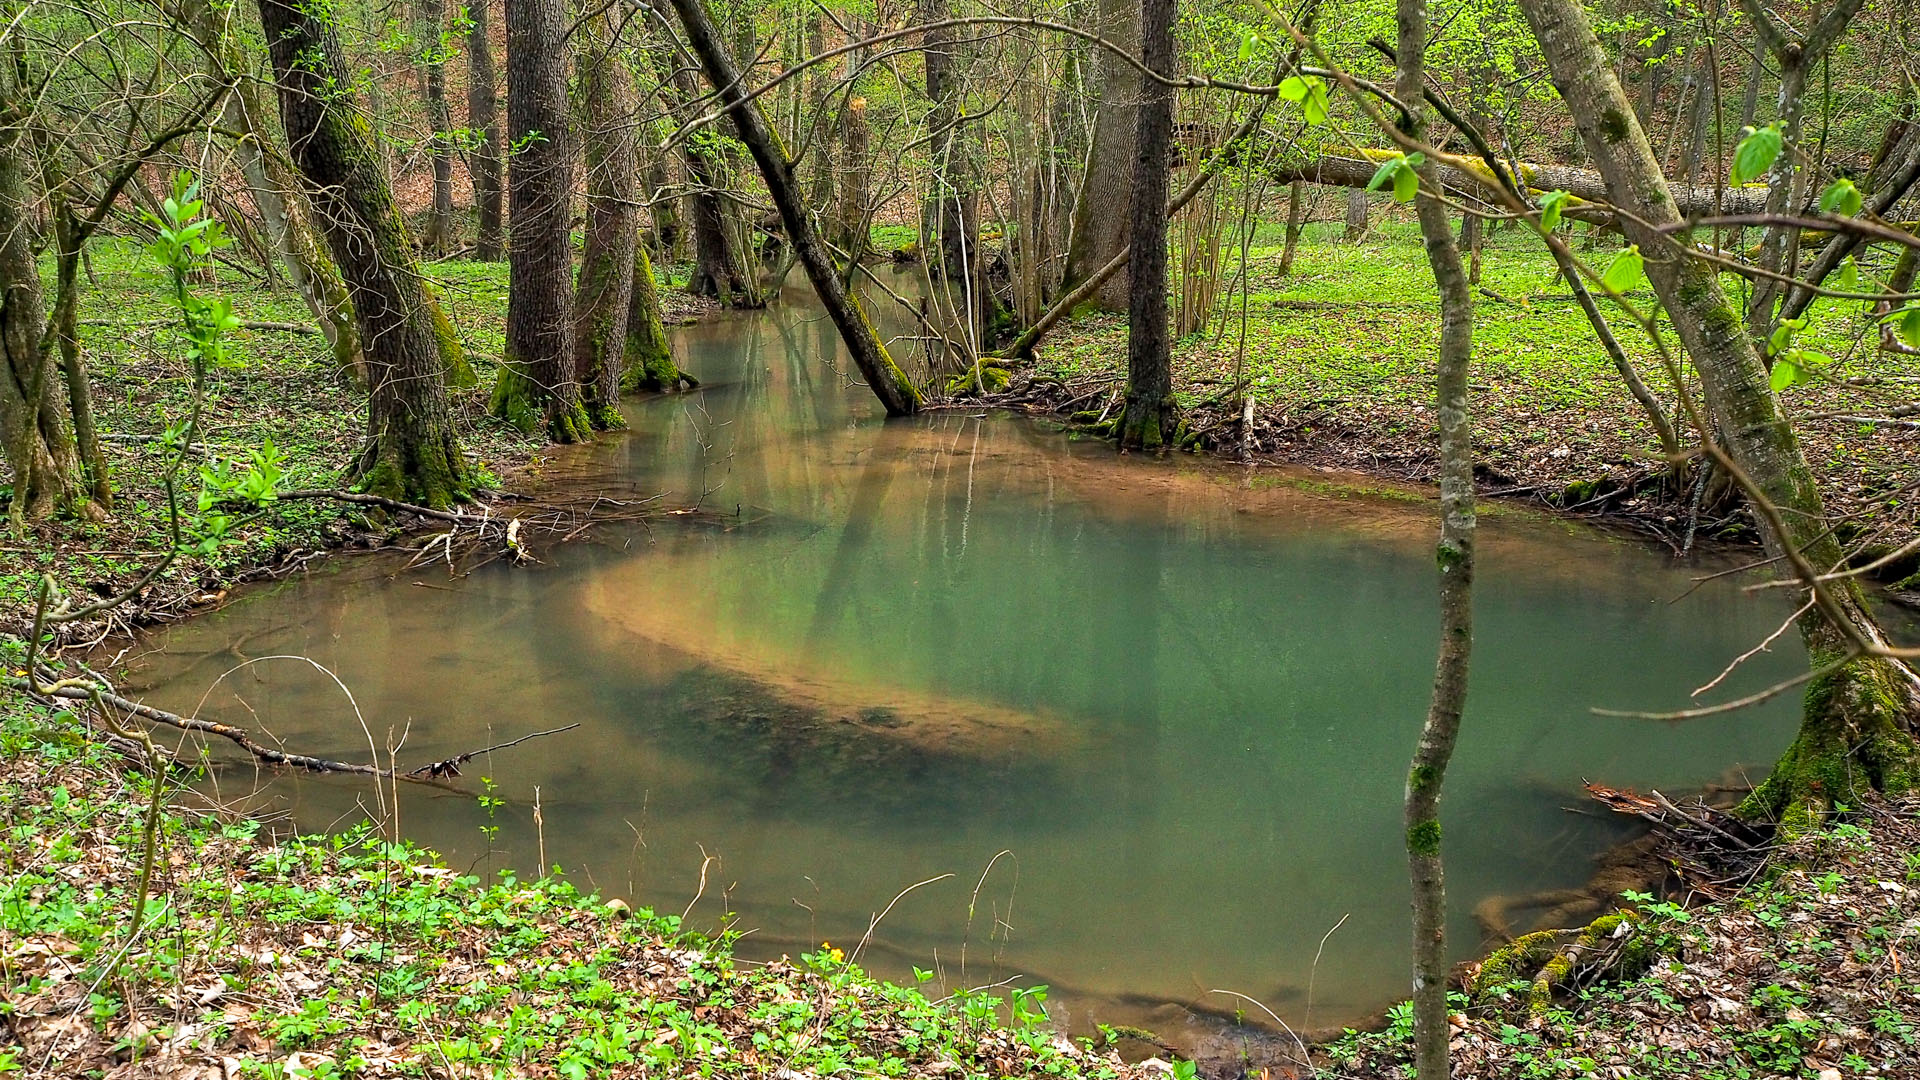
x=979, y=380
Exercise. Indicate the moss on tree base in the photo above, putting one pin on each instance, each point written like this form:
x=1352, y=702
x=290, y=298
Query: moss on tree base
x=1148, y=425
x=430, y=472
x=1854, y=738
x=533, y=409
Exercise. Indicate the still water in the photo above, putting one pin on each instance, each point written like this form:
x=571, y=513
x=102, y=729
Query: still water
x=1150, y=717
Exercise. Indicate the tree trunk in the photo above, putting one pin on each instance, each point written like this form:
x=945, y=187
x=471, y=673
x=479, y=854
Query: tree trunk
x=605, y=288
x=1357, y=209
x=483, y=118
x=33, y=415
x=648, y=364
x=412, y=451
x=1441, y=731
x=1149, y=420
x=852, y=229
x=1296, y=221
x=1853, y=730
x=1102, y=218
x=437, y=237
x=538, y=387
x=869, y=353
x=277, y=194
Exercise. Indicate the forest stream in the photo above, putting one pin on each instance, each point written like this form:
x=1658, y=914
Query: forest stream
x=1150, y=717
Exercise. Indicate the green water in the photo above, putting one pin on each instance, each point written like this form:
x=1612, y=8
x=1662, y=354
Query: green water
x=1151, y=717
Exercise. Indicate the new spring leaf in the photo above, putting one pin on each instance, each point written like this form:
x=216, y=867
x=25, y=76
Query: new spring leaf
x=1756, y=153
x=1625, y=271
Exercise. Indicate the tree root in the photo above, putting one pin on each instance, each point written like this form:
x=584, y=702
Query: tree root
x=1534, y=968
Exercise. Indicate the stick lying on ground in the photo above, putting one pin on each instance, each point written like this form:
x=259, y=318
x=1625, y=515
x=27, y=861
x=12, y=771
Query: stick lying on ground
x=245, y=741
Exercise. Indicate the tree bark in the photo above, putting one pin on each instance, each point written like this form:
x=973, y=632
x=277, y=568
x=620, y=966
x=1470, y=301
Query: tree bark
x=1441, y=731
x=437, y=237
x=1296, y=221
x=1357, y=204
x=483, y=117
x=277, y=194
x=887, y=381
x=33, y=415
x=412, y=452
x=1149, y=420
x=1102, y=217
x=648, y=364
x=1853, y=731
x=605, y=287
x=538, y=388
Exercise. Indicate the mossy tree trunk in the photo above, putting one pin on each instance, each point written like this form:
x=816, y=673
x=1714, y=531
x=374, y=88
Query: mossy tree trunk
x=538, y=388
x=1149, y=417
x=1454, y=556
x=647, y=361
x=483, y=119
x=896, y=393
x=412, y=453
x=34, y=420
x=1102, y=216
x=604, y=290
x=1855, y=730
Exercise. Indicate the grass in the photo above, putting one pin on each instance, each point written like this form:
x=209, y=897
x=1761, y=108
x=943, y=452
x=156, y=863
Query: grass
x=1340, y=353
x=351, y=955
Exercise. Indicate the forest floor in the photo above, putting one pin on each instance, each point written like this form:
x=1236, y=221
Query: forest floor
x=279, y=386
x=1337, y=358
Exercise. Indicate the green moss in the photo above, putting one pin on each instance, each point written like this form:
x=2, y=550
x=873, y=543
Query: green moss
x=1852, y=738
x=1420, y=777
x=1613, y=125
x=1423, y=838
x=457, y=370
x=1449, y=555
x=981, y=379
x=1517, y=961
x=532, y=410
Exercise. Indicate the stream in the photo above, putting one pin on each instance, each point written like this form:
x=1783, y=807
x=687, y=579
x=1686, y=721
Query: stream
x=1150, y=719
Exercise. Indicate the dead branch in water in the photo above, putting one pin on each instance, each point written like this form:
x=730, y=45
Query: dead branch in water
x=1709, y=848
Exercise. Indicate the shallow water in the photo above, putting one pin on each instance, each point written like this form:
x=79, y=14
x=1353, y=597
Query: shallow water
x=1152, y=718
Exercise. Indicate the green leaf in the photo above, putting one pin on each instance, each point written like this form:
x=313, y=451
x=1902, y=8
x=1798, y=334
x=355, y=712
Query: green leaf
x=1315, y=107
x=1625, y=271
x=1386, y=171
x=1406, y=183
x=1293, y=87
x=1910, y=327
x=1552, y=205
x=1756, y=153
x=1841, y=197
x=1785, y=374
x=1247, y=40
x=1847, y=279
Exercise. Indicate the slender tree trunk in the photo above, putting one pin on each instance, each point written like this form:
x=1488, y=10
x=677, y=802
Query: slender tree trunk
x=1357, y=210
x=1296, y=221
x=483, y=118
x=73, y=366
x=886, y=380
x=1149, y=420
x=605, y=288
x=33, y=415
x=1441, y=730
x=1853, y=732
x=437, y=237
x=1103, y=216
x=851, y=232
x=648, y=364
x=412, y=451
x=538, y=388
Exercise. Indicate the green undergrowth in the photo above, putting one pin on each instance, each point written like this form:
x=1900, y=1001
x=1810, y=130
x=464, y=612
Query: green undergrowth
x=351, y=955
x=1802, y=973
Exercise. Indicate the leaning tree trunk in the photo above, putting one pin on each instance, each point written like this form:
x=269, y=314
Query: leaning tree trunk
x=1441, y=731
x=605, y=287
x=538, y=386
x=33, y=414
x=884, y=378
x=276, y=192
x=648, y=364
x=1854, y=730
x=483, y=118
x=437, y=238
x=1102, y=218
x=1149, y=419
x=412, y=451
